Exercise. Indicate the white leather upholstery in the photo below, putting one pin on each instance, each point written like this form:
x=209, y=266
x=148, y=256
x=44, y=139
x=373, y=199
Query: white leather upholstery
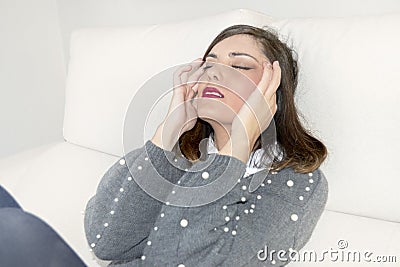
x=363, y=236
x=347, y=91
x=54, y=182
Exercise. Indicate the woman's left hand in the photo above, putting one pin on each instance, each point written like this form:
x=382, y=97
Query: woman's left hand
x=255, y=115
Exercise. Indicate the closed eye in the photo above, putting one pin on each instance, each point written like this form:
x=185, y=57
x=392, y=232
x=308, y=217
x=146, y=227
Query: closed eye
x=240, y=67
x=233, y=66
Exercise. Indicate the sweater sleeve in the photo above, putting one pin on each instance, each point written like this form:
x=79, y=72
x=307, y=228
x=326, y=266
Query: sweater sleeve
x=282, y=223
x=312, y=212
x=121, y=213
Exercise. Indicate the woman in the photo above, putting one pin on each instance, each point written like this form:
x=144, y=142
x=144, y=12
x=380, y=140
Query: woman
x=136, y=220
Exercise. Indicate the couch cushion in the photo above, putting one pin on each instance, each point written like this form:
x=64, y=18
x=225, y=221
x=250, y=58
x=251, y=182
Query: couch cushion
x=349, y=94
x=55, y=182
x=58, y=180
x=346, y=233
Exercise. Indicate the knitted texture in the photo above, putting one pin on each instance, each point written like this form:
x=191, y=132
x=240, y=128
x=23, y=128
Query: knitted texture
x=125, y=224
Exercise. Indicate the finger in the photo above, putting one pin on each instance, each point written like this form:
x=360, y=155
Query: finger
x=189, y=95
x=192, y=80
x=184, y=76
x=198, y=59
x=266, y=77
x=196, y=66
x=275, y=80
x=177, y=74
x=181, y=74
x=194, y=77
x=272, y=103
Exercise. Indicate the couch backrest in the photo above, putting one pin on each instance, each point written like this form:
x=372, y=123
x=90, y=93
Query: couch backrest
x=108, y=65
x=348, y=92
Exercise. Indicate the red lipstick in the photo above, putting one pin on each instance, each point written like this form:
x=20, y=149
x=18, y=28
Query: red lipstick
x=212, y=92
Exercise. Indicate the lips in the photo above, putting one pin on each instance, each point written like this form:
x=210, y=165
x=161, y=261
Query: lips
x=212, y=92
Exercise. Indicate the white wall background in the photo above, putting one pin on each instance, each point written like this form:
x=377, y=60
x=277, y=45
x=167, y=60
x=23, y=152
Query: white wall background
x=32, y=75
x=35, y=41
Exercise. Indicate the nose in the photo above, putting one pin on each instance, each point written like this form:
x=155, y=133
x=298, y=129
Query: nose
x=214, y=72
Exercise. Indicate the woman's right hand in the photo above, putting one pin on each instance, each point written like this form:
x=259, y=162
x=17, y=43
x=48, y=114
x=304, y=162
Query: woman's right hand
x=182, y=115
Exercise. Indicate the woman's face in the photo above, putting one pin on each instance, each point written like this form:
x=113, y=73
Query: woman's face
x=234, y=68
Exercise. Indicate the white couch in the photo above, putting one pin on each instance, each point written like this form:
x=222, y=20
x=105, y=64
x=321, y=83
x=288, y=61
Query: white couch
x=348, y=92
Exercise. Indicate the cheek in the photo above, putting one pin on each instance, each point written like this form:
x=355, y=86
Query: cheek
x=245, y=86
x=255, y=77
x=237, y=99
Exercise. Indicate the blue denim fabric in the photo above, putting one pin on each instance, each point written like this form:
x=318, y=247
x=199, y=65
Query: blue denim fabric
x=6, y=200
x=26, y=240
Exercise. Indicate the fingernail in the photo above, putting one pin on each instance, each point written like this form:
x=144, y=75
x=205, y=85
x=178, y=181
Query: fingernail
x=277, y=62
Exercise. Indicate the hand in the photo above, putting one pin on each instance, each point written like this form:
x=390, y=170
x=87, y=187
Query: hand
x=182, y=115
x=255, y=115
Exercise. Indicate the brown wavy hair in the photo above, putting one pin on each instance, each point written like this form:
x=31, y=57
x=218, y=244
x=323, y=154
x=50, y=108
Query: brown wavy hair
x=296, y=146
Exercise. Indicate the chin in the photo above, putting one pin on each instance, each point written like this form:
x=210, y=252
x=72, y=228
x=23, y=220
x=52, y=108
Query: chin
x=214, y=111
x=215, y=117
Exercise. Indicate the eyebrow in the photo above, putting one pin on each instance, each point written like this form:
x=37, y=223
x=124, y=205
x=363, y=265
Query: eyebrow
x=232, y=54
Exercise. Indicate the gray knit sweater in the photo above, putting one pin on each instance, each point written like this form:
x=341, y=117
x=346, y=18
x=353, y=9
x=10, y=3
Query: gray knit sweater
x=128, y=226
